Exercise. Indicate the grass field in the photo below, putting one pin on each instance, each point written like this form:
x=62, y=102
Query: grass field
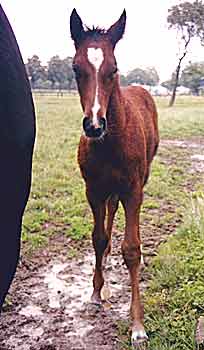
x=175, y=297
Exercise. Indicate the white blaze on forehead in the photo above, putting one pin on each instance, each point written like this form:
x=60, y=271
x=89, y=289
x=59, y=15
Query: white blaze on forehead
x=95, y=57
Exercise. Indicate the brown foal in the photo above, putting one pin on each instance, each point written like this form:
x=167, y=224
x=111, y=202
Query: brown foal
x=119, y=142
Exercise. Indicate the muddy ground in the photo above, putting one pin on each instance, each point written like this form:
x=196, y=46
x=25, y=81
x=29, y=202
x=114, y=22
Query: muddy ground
x=50, y=307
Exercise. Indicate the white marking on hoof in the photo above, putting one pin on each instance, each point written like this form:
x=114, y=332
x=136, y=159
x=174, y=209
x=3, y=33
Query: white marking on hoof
x=138, y=337
x=106, y=292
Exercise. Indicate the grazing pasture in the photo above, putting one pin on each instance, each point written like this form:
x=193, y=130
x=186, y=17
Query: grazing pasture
x=57, y=225
x=57, y=197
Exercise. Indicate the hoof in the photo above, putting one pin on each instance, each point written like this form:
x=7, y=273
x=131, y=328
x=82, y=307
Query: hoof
x=91, y=310
x=96, y=299
x=139, y=340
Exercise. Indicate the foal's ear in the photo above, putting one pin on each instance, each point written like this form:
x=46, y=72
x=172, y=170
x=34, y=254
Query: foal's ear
x=76, y=28
x=116, y=31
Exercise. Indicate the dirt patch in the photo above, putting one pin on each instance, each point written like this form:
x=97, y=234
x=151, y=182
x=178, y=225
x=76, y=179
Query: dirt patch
x=50, y=307
x=194, y=148
x=194, y=143
x=53, y=311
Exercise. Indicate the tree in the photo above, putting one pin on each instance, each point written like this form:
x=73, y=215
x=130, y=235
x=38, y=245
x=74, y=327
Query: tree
x=169, y=84
x=152, y=76
x=43, y=84
x=68, y=72
x=136, y=76
x=35, y=70
x=55, y=71
x=188, y=19
x=60, y=72
x=141, y=76
x=192, y=76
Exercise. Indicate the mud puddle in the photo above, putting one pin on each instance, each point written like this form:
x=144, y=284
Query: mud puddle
x=57, y=313
x=195, y=149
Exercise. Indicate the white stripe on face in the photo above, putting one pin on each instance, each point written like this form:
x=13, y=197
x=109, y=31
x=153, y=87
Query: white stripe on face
x=95, y=57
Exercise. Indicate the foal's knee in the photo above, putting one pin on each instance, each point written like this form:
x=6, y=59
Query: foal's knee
x=131, y=253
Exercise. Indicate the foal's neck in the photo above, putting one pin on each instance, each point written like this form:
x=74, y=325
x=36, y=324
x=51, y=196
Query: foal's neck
x=116, y=110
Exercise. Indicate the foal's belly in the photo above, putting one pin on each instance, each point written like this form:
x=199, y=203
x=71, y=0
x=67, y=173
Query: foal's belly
x=109, y=171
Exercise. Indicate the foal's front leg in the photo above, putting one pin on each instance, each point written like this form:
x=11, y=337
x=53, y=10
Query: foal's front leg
x=112, y=206
x=100, y=242
x=132, y=256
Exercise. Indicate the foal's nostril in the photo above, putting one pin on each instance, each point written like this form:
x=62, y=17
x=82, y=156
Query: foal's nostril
x=87, y=124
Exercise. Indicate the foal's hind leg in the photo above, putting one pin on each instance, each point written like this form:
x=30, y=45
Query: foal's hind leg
x=132, y=256
x=100, y=242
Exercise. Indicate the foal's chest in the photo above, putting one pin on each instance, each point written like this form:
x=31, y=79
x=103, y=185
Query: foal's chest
x=106, y=167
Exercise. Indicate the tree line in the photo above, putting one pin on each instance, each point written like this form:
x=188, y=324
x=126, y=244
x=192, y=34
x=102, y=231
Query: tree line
x=186, y=19
x=58, y=74
x=191, y=77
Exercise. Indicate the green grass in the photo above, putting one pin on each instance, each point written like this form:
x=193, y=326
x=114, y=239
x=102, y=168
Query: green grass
x=185, y=119
x=175, y=297
x=57, y=202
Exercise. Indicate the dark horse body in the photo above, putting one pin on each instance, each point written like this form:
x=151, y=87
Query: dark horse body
x=119, y=142
x=17, y=134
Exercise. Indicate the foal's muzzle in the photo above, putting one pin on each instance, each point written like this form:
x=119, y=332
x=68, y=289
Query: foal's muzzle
x=91, y=130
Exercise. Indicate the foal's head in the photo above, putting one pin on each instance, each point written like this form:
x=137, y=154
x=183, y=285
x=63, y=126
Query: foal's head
x=95, y=69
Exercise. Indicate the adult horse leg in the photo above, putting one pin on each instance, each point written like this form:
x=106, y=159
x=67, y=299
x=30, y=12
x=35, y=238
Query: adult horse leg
x=100, y=242
x=9, y=255
x=112, y=206
x=132, y=257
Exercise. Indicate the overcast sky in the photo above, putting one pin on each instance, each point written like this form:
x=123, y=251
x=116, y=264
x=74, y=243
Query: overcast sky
x=42, y=28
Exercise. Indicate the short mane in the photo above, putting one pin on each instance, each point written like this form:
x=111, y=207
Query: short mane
x=94, y=33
